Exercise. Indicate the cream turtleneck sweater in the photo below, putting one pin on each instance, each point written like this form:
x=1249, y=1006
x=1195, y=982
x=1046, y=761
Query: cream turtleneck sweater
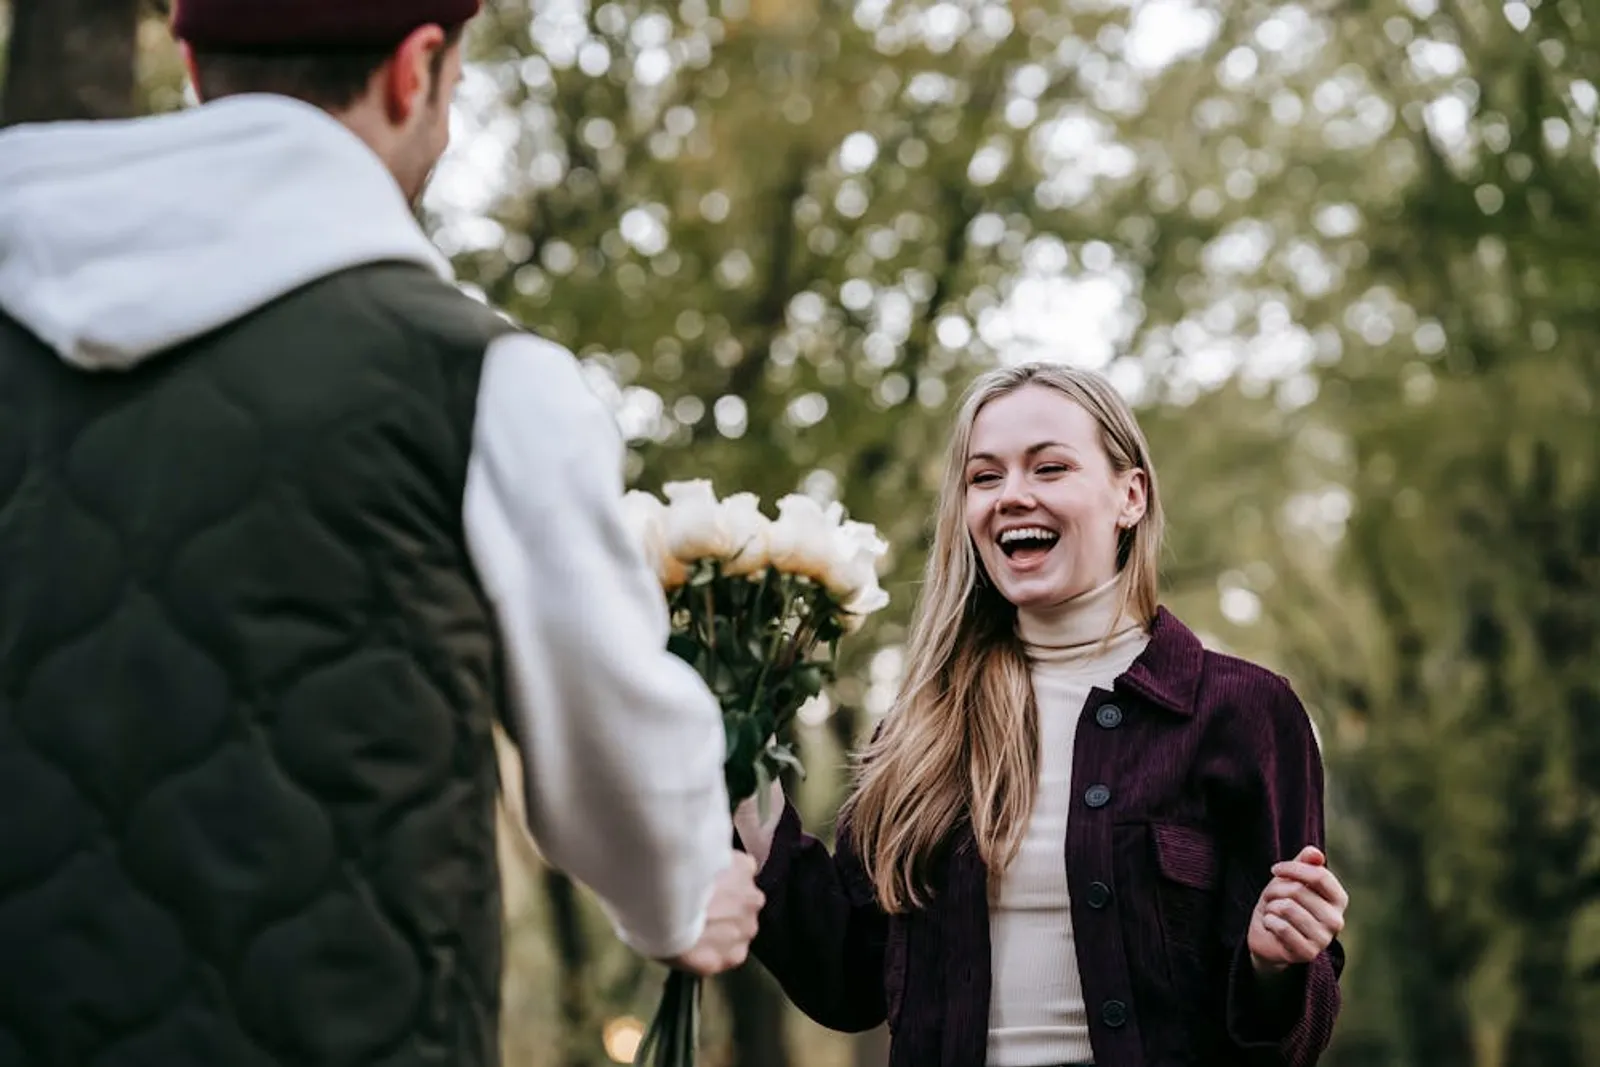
x=1036, y=1014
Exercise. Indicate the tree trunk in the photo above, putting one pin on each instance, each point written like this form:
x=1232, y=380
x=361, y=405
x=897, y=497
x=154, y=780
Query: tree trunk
x=1548, y=1026
x=71, y=59
x=580, y=1045
x=1432, y=955
x=1436, y=1029
x=1542, y=895
x=756, y=1007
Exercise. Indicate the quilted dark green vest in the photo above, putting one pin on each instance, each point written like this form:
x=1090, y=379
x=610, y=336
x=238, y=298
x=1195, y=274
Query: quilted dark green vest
x=247, y=681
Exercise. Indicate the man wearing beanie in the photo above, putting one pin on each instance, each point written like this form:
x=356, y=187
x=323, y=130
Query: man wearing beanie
x=287, y=524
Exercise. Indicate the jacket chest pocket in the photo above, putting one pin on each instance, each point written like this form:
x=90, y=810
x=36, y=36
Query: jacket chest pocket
x=1188, y=862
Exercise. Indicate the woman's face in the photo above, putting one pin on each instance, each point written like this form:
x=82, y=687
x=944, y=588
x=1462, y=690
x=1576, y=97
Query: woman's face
x=1044, y=506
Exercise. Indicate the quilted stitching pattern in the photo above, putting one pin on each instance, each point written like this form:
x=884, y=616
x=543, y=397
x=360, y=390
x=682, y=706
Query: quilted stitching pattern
x=246, y=685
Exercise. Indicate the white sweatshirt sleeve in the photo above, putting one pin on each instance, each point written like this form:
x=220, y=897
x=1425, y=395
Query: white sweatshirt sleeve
x=621, y=741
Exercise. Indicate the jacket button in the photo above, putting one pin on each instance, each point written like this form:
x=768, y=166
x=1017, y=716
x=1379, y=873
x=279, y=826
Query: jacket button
x=1114, y=1013
x=1109, y=716
x=1098, y=896
x=1098, y=796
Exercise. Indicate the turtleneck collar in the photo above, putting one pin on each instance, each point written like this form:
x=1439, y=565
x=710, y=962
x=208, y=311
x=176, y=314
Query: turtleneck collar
x=1078, y=625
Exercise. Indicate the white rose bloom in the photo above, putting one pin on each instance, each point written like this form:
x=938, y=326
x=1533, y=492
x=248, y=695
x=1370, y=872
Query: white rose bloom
x=855, y=563
x=693, y=527
x=643, y=513
x=646, y=517
x=803, y=539
x=747, y=532
x=866, y=602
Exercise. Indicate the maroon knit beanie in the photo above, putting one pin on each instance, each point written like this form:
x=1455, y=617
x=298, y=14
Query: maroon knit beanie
x=311, y=25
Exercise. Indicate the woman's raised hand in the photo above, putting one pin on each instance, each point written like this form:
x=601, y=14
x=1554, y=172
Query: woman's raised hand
x=1299, y=914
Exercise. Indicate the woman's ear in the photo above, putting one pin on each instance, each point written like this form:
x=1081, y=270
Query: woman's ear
x=1136, y=498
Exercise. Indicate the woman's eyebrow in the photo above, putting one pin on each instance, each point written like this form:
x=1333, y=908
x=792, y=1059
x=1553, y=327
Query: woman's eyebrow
x=1033, y=450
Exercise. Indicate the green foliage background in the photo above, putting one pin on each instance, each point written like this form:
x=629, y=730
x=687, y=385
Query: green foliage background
x=1343, y=253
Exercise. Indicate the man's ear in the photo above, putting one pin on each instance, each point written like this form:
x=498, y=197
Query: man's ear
x=408, y=76
x=189, y=68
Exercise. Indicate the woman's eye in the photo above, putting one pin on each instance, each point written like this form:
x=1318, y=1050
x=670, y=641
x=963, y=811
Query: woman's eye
x=985, y=478
x=1053, y=468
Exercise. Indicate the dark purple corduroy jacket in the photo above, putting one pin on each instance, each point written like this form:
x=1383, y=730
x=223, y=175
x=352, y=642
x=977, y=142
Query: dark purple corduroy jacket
x=1191, y=778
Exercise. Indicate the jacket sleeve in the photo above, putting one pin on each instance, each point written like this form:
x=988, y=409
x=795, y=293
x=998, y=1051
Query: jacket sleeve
x=822, y=934
x=1264, y=759
x=621, y=742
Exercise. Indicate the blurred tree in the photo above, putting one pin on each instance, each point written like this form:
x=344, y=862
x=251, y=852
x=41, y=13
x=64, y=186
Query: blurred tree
x=71, y=59
x=1405, y=207
x=86, y=59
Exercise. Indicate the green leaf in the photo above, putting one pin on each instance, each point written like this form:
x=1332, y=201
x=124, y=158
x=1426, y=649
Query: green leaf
x=753, y=735
x=724, y=680
x=740, y=777
x=685, y=646
x=784, y=756
x=809, y=678
x=743, y=740
x=727, y=635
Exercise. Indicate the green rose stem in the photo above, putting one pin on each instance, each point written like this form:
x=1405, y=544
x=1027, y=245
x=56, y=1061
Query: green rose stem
x=770, y=658
x=711, y=627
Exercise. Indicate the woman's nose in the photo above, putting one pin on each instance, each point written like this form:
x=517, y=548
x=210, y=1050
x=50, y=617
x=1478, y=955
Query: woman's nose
x=1015, y=493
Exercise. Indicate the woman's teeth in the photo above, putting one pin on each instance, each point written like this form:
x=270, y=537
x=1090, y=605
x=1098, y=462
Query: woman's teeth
x=1029, y=538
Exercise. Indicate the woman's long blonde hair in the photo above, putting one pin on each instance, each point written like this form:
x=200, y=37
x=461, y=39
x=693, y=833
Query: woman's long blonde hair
x=961, y=742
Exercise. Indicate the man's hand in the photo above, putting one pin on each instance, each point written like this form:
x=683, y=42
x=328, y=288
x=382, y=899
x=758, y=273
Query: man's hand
x=730, y=921
x=1299, y=914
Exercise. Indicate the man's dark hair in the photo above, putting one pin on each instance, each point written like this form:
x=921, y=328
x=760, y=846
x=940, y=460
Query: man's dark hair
x=329, y=79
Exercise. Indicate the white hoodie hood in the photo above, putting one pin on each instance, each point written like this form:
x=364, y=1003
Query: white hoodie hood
x=120, y=240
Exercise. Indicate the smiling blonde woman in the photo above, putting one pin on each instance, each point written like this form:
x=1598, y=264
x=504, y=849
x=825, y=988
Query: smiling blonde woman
x=1079, y=837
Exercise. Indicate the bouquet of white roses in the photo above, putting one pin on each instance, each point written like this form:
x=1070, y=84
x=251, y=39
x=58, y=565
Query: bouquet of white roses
x=758, y=607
